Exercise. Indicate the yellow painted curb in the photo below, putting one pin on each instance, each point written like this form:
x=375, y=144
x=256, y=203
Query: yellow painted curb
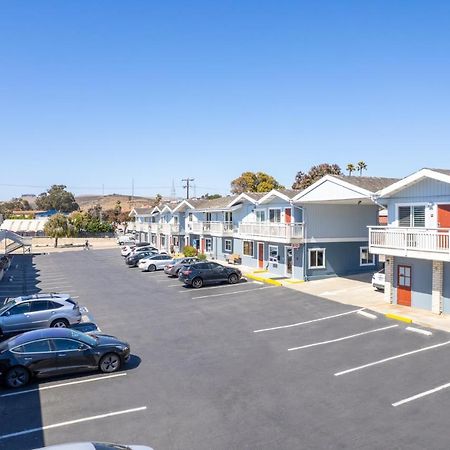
x=260, y=271
x=401, y=318
x=294, y=281
x=263, y=280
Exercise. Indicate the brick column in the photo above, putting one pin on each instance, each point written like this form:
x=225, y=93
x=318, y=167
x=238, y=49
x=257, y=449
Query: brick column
x=389, y=279
x=437, y=286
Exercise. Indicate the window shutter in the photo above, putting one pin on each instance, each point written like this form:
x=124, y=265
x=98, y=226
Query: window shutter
x=404, y=216
x=419, y=216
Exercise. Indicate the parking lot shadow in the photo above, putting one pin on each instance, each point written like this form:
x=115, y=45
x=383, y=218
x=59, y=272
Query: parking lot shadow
x=133, y=363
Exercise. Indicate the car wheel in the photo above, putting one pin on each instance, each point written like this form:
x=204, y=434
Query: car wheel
x=233, y=278
x=17, y=377
x=110, y=363
x=197, y=283
x=60, y=323
x=151, y=268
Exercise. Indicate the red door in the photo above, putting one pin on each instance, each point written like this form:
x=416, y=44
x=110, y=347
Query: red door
x=287, y=215
x=443, y=222
x=202, y=246
x=404, y=286
x=260, y=255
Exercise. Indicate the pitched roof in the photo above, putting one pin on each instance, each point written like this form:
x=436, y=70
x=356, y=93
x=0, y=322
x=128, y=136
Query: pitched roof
x=212, y=204
x=372, y=184
x=142, y=211
x=443, y=171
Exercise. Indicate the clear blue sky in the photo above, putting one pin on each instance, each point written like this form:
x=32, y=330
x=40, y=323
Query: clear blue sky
x=98, y=92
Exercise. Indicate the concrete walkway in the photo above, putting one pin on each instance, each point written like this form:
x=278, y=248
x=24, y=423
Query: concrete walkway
x=354, y=290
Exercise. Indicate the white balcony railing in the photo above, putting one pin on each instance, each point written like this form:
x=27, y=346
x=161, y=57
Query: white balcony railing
x=410, y=241
x=285, y=231
x=219, y=228
x=169, y=228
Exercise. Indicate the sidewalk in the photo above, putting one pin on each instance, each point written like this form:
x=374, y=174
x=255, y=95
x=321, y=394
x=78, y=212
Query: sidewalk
x=354, y=290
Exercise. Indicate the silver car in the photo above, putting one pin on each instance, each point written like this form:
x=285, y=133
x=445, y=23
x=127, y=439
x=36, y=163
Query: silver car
x=95, y=446
x=24, y=314
x=154, y=262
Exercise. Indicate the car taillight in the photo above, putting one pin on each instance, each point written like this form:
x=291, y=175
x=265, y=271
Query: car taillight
x=187, y=272
x=169, y=266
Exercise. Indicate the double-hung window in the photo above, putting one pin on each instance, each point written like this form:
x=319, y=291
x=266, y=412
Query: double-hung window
x=411, y=216
x=260, y=215
x=248, y=248
x=228, y=246
x=316, y=258
x=275, y=215
x=365, y=258
x=208, y=245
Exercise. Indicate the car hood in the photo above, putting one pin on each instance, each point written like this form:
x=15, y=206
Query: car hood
x=106, y=339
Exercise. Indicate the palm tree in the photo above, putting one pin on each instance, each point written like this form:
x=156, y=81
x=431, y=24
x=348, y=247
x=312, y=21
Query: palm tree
x=351, y=168
x=361, y=166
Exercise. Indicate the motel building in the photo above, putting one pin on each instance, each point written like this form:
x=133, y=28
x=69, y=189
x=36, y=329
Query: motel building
x=416, y=240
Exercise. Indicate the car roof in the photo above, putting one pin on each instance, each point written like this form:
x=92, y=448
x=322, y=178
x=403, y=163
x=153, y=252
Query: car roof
x=42, y=296
x=44, y=333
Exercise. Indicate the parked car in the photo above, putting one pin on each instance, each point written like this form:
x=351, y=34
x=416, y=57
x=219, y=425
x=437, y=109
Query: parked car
x=143, y=249
x=201, y=273
x=20, y=315
x=127, y=249
x=41, y=295
x=378, y=280
x=126, y=239
x=172, y=269
x=86, y=327
x=95, y=446
x=133, y=260
x=56, y=351
x=154, y=262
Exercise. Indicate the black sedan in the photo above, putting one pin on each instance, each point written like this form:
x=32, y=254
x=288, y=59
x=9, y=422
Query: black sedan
x=57, y=351
x=133, y=260
x=201, y=273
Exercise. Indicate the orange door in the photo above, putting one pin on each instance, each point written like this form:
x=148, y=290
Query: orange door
x=202, y=246
x=287, y=215
x=260, y=255
x=404, y=286
x=443, y=222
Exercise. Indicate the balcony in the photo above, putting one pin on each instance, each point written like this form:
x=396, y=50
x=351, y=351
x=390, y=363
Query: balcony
x=423, y=243
x=170, y=228
x=211, y=228
x=269, y=231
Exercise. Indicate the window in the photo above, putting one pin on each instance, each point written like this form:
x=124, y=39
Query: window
x=54, y=305
x=208, y=217
x=175, y=240
x=37, y=347
x=228, y=216
x=411, y=216
x=63, y=345
x=316, y=258
x=208, y=245
x=41, y=305
x=21, y=308
x=228, y=245
x=365, y=258
x=248, y=248
x=190, y=217
x=202, y=266
x=260, y=215
x=275, y=215
x=273, y=253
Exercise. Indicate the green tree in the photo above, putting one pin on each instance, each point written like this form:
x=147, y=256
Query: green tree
x=211, y=196
x=361, y=166
x=15, y=204
x=254, y=182
x=351, y=168
x=59, y=226
x=158, y=200
x=57, y=197
x=189, y=251
x=304, y=180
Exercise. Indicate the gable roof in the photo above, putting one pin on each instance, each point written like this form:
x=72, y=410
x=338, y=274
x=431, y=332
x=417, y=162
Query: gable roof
x=141, y=211
x=372, y=184
x=283, y=194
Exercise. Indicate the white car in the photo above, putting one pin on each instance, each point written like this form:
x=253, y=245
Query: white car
x=95, y=446
x=379, y=280
x=155, y=262
x=126, y=239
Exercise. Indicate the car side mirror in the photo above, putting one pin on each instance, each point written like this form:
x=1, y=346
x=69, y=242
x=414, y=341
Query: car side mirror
x=6, y=314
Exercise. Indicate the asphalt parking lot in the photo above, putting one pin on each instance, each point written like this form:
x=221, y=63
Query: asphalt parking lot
x=246, y=366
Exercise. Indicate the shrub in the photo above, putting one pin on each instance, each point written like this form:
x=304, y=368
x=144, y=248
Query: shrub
x=201, y=256
x=189, y=251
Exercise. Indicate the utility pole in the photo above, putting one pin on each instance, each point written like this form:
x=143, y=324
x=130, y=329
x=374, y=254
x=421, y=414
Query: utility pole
x=187, y=185
x=132, y=192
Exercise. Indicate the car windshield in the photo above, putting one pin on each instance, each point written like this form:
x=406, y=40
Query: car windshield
x=5, y=307
x=87, y=339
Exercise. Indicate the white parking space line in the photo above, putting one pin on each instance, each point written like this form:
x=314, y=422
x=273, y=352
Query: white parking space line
x=419, y=330
x=391, y=358
x=421, y=395
x=233, y=293
x=72, y=422
x=342, y=338
x=367, y=314
x=175, y=285
x=308, y=321
x=218, y=287
x=70, y=383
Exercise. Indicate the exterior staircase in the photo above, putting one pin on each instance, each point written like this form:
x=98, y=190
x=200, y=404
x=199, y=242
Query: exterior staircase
x=10, y=242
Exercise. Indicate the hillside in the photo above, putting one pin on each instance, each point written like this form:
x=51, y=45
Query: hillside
x=109, y=201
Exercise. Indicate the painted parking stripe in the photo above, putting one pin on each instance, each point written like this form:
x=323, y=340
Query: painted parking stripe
x=367, y=314
x=308, y=321
x=421, y=395
x=342, y=338
x=232, y=293
x=218, y=287
x=72, y=422
x=419, y=330
x=70, y=383
x=391, y=358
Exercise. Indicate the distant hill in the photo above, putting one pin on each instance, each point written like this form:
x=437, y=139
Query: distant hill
x=109, y=201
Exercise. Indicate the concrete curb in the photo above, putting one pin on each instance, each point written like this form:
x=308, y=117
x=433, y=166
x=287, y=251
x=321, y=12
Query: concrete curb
x=263, y=280
x=397, y=317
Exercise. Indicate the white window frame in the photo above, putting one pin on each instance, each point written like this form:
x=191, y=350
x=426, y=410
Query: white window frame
x=273, y=209
x=208, y=243
x=368, y=253
x=411, y=214
x=263, y=211
x=190, y=216
x=228, y=250
x=252, y=247
x=311, y=250
x=272, y=258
